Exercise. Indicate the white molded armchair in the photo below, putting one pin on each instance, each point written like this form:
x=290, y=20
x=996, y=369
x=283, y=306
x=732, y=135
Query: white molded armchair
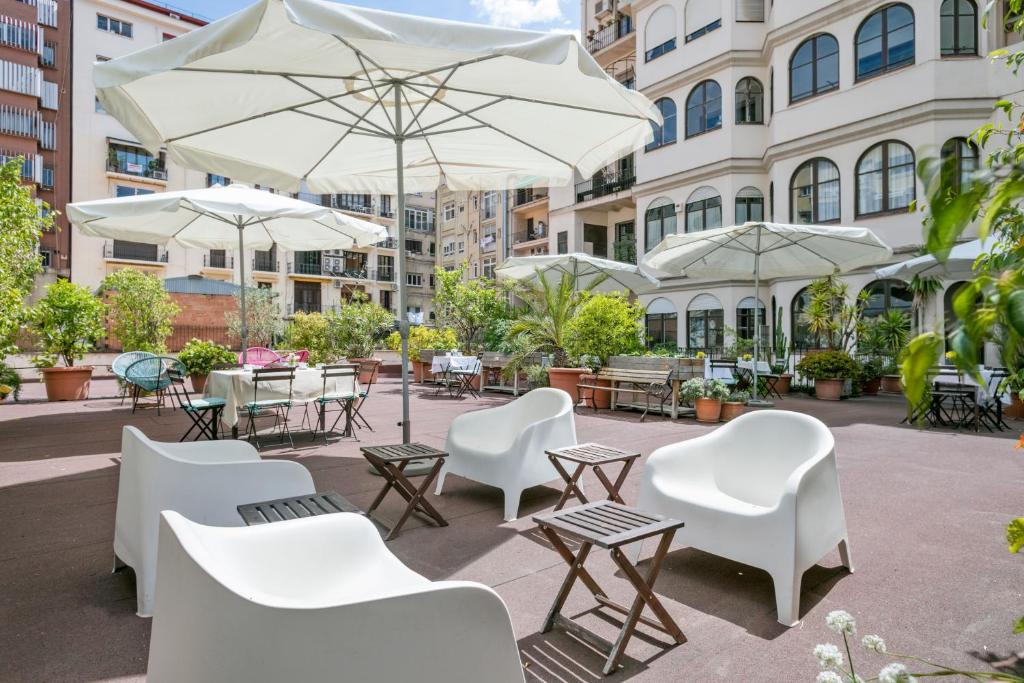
x=316, y=599
x=762, y=490
x=203, y=480
x=504, y=446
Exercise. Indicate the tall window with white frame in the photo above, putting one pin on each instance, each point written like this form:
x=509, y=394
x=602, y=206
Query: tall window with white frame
x=749, y=101
x=814, y=68
x=660, y=32
x=885, y=41
x=665, y=133
x=704, y=108
x=958, y=28
x=703, y=210
x=749, y=205
x=885, y=179
x=960, y=159
x=659, y=221
x=814, y=193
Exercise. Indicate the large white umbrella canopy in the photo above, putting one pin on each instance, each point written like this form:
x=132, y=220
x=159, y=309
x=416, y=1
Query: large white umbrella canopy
x=348, y=99
x=959, y=263
x=767, y=250
x=223, y=218
x=591, y=273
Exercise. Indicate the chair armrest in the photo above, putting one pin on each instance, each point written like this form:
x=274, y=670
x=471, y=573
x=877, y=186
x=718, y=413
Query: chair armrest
x=212, y=452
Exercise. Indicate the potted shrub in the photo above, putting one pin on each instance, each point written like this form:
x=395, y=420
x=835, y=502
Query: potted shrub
x=199, y=357
x=871, y=371
x=707, y=396
x=890, y=380
x=829, y=370
x=68, y=321
x=10, y=383
x=359, y=326
x=734, y=405
x=605, y=325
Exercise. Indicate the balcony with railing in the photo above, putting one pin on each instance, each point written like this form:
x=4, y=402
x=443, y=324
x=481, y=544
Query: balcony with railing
x=317, y=199
x=216, y=258
x=610, y=34
x=383, y=274
x=305, y=307
x=528, y=234
x=353, y=203
x=312, y=264
x=119, y=250
x=135, y=161
x=389, y=243
x=605, y=182
x=528, y=195
x=264, y=262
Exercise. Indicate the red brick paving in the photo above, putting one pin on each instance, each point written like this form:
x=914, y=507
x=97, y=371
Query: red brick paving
x=926, y=512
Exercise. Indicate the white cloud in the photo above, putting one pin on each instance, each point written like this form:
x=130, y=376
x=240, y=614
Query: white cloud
x=517, y=13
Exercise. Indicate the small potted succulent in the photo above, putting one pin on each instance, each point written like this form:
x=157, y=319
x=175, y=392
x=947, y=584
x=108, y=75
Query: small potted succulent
x=68, y=322
x=199, y=357
x=707, y=396
x=829, y=370
x=734, y=405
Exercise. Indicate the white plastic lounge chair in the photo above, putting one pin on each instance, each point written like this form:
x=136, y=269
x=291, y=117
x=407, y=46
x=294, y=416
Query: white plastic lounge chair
x=762, y=490
x=504, y=446
x=316, y=599
x=203, y=480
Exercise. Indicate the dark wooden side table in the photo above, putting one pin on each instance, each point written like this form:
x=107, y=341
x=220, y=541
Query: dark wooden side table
x=591, y=455
x=610, y=526
x=390, y=462
x=282, y=509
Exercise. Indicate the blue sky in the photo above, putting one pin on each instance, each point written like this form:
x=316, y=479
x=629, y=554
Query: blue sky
x=547, y=15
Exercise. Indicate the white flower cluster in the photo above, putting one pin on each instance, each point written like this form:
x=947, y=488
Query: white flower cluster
x=874, y=643
x=841, y=622
x=829, y=656
x=895, y=673
x=828, y=677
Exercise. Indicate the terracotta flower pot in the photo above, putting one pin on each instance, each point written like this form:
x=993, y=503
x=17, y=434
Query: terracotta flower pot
x=709, y=410
x=782, y=385
x=67, y=384
x=732, y=409
x=475, y=382
x=566, y=379
x=601, y=399
x=891, y=384
x=369, y=368
x=199, y=383
x=870, y=387
x=828, y=389
x=1016, y=407
x=417, y=371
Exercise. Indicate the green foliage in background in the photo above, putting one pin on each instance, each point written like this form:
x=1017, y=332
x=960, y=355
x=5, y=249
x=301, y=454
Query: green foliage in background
x=140, y=310
x=68, y=321
x=605, y=325
x=200, y=356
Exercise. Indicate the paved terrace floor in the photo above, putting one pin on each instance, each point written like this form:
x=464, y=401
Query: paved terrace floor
x=926, y=513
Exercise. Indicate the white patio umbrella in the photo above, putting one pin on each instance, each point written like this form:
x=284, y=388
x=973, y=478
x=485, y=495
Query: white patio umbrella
x=222, y=218
x=348, y=99
x=767, y=250
x=959, y=264
x=590, y=272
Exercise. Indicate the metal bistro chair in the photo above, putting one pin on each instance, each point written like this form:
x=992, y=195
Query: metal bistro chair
x=148, y=375
x=990, y=402
x=120, y=365
x=721, y=367
x=463, y=379
x=278, y=406
x=260, y=356
x=346, y=375
x=204, y=412
x=362, y=393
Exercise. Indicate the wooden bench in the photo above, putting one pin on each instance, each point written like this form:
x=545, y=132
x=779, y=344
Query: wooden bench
x=650, y=384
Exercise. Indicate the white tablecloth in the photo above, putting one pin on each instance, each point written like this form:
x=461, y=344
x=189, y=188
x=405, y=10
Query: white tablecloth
x=762, y=366
x=444, y=363
x=990, y=388
x=236, y=388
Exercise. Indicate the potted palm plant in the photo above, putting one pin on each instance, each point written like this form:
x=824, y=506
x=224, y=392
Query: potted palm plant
x=199, y=357
x=68, y=322
x=829, y=370
x=707, y=396
x=892, y=332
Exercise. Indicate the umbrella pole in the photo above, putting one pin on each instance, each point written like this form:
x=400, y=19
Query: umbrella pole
x=755, y=401
x=243, y=320
x=403, y=318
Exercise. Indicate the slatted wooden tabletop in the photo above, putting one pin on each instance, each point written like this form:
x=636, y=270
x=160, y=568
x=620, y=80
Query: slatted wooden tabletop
x=606, y=524
x=283, y=509
x=400, y=452
x=592, y=454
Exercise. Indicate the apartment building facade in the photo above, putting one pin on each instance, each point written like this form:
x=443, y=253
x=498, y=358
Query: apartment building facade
x=810, y=112
x=472, y=229
x=109, y=162
x=35, y=112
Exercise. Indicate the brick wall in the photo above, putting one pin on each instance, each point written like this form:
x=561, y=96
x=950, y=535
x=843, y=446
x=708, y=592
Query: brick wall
x=200, y=316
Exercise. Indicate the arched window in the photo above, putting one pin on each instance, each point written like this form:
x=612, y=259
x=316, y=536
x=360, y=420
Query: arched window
x=958, y=27
x=662, y=324
x=960, y=158
x=666, y=132
x=800, y=334
x=704, y=108
x=746, y=322
x=814, y=193
x=660, y=32
x=705, y=323
x=703, y=210
x=749, y=101
x=814, y=67
x=885, y=178
x=888, y=295
x=885, y=41
x=660, y=220
x=702, y=17
x=749, y=205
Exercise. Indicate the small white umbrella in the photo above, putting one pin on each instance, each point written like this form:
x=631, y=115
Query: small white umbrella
x=350, y=99
x=767, y=250
x=590, y=272
x=959, y=263
x=222, y=218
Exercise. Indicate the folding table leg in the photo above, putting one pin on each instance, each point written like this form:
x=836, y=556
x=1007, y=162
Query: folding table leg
x=414, y=498
x=572, y=483
x=613, y=488
x=576, y=571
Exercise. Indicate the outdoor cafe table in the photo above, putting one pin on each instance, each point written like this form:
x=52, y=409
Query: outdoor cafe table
x=235, y=387
x=442, y=364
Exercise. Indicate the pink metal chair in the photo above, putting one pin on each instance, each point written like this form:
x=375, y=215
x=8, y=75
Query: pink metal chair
x=259, y=356
x=301, y=356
